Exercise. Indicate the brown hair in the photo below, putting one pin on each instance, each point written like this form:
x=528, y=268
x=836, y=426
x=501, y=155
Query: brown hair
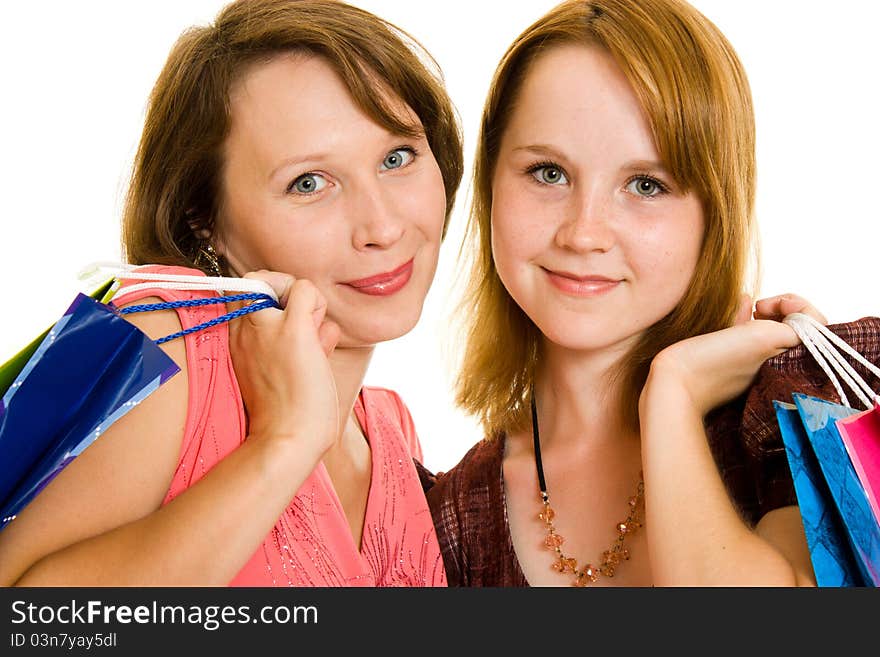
x=176, y=181
x=695, y=94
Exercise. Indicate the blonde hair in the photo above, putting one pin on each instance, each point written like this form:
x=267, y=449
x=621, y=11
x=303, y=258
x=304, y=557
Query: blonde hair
x=694, y=92
x=175, y=184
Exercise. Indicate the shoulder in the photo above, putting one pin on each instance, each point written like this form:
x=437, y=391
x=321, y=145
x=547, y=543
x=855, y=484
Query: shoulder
x=744, y=434
x=475, y=481
x=389, y=404
x=467, y=506
x=132, y=288
x=387, y=400
x=134, y=291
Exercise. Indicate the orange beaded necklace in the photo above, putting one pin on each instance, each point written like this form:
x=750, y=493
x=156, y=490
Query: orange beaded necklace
x=612, y=557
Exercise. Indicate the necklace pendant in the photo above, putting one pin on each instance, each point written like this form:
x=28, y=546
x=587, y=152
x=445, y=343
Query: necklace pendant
x=586, y=577
x=553, y=541
x=565, y=565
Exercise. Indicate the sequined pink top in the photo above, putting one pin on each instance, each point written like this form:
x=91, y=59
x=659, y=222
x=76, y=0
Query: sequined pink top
x=311, y=544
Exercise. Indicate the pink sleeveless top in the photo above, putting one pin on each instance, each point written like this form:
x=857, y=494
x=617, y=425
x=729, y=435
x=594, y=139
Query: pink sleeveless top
x=311, y=543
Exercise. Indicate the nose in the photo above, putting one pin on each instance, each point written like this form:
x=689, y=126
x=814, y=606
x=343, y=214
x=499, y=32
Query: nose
x=376, y=218
x=589, y=223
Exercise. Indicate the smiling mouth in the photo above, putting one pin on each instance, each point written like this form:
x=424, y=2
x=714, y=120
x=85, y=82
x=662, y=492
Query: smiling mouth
x=581, y=286
x=386, y=283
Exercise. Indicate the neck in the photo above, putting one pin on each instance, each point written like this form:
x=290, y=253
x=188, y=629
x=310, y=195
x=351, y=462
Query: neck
x=577, y=396
x=349, y=366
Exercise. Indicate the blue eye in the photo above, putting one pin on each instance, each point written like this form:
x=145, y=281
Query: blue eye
x=398, y=158
x=646, y=186
x=308, y=183
x=549, y=174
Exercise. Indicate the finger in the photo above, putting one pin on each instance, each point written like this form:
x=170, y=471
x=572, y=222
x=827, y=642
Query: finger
x=744, y=314
x=774, y=337
x=781, y=306
x=328, y=334
x=305, y=302
x=280, y=283
x=320, y=310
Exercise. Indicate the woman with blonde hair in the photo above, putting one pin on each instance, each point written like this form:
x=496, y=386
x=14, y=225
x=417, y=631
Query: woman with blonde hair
x=611, y=234
x=310, y=142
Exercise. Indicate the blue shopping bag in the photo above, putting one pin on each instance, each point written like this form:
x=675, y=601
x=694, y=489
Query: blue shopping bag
x=91, y=369
x=842, y=533
x=831, y=553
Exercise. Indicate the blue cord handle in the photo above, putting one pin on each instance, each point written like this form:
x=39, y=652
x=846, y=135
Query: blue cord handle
x=265, y=302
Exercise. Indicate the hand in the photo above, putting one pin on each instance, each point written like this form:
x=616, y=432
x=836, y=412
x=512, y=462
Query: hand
x=281, y=363
x=717, y=367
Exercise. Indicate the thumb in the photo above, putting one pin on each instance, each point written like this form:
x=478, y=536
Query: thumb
x=279, y=282
x=328, y=335
x=744, y=312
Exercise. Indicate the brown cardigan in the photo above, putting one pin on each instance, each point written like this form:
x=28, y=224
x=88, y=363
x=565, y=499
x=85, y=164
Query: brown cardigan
x=467, y=502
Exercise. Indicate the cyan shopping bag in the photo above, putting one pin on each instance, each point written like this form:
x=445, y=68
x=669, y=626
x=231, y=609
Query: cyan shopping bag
x=831, y=553
x=90, y=370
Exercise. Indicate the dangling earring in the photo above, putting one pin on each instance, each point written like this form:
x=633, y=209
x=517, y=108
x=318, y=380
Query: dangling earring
x=207, y=257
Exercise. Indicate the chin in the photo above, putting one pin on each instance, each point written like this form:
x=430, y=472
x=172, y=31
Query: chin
x=359, y=332
x=588, y=336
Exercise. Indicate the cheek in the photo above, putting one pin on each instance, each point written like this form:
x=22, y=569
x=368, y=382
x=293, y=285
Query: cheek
x=519, y=232
x=315, y=244
x=423, y=202
x=668, y=251
x=305, y=242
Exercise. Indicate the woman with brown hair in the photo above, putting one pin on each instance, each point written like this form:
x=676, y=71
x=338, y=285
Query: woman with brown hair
x=306, y=141
x=611, y=234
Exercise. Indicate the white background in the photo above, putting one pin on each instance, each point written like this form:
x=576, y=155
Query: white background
x=75, y=79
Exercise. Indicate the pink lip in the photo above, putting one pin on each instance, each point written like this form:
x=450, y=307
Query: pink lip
x=581, y=286
x=384, y=284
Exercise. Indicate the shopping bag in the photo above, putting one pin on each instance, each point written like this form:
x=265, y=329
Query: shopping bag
x=832, y=555
x=843, y=533
x=11, y=368
x=861, y=436
x=91, y=369
x=861, y=531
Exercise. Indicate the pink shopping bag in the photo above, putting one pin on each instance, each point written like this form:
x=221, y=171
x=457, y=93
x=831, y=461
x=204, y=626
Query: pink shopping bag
x=861, y=436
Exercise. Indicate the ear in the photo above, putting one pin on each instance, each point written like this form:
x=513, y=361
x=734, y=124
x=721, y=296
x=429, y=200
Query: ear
x=198, y=229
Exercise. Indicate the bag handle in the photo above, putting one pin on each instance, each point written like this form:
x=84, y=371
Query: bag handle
x=821, y=343
x=259, y=293
x=98, y=271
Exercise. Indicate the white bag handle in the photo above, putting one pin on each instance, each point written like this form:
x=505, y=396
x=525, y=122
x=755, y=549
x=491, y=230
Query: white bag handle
x=98, y=271
x=821, y=343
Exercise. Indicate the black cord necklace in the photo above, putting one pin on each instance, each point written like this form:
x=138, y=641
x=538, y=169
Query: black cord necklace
x=612, y=557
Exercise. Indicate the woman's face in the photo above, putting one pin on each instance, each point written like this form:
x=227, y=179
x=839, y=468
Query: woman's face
x=590, y=235
x=314, y=188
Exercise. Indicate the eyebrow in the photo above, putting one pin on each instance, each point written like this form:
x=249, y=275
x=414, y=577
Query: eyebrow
x=320, y=156
x=294, y=161
x=646, y=165
x=542, y=149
